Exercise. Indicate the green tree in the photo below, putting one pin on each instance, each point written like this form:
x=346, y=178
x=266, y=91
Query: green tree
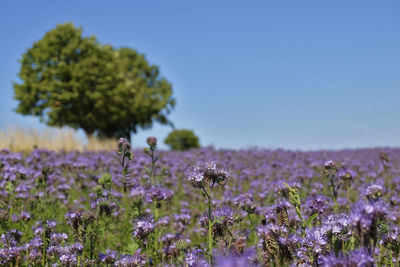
x=182, y=140
x=71, y=80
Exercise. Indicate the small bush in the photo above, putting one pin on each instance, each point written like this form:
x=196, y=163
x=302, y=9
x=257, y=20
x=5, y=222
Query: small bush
x=182, y=140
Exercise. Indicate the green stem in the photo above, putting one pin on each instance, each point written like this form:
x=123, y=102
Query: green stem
x=10, y=214
x=333, y=188
x=44, y=245
x=230, y=237
x=210, y=225
x=153, y=164
x=27, y=257
x=156, y=211
x=210, y=241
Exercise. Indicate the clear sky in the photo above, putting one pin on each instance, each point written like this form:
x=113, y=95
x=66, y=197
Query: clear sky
x=276, y=74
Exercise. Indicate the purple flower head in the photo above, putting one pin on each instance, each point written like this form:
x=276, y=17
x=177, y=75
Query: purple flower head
x=163, y=221
x=317, y=240
x=55, y=251
x=51, y=224
x=207, y=173
x=11, y=238
x=337, y=224
x=137, y=192
x=317, y=204
x=74, y=218
x=25, y=216
x=223, y=218
x=75, y=248
x=196, y=177
x=330, y=165
x=109, y=257
x=374, y=192
x=158, y=193
x=182, y=218
x=364, y=219
x=346, y=175
x=360, y=257
x=58, y=238
x=10, y=255
x=195, y=258
x=138, y=259
x=68, y=260
x=143, y=228
x=233, y=261
x=245, y=202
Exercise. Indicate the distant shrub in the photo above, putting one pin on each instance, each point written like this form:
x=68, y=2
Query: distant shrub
x=182, y=140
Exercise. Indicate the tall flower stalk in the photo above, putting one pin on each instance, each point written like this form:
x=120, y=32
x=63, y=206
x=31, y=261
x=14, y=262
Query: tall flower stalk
x=330, y=170
x=152, y=142
x=124, y=156
x=205, y=177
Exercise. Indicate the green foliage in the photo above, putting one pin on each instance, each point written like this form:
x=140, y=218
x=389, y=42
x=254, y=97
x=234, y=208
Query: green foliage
x=71, y=80
x=105, y=181
x=182, y=140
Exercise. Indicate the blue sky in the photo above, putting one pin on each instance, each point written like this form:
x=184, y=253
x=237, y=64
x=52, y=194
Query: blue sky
x=275, y=74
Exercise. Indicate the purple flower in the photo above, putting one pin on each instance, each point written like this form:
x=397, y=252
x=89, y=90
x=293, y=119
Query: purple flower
x=138, y=259
x=205, y=173
x=196, y=177
x=245, y=202
x=330, y=165
x=316, y=238
x=109, y=257
x=373, y=192
x=58, y=238
x=142, y=229
x=233, y=261
x=68, y=260
x=346, y=175
x=360, y=257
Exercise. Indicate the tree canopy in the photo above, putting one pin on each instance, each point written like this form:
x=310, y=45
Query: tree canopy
x=71, y=80
x=182, y=140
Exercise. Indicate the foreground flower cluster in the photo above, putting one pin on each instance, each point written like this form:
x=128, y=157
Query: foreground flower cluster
x=204, y=207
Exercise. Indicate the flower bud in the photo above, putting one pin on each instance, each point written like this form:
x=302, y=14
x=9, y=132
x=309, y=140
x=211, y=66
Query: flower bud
x=330, y=167
x=123, y=145
x=151, y=141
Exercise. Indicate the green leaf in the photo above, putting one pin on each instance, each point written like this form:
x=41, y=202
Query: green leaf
x=311, y=219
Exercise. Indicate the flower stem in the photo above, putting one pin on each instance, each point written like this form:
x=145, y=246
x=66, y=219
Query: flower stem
x=210, y=225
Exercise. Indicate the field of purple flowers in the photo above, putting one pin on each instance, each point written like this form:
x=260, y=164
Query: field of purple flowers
x=203, y=207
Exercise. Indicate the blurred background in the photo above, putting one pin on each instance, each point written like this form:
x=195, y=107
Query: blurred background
x=286, y=74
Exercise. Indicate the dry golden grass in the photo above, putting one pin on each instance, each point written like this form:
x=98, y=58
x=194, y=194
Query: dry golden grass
x=18, y=138
x=95, y=144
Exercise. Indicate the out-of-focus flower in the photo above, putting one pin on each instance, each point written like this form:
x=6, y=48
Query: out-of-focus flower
x=109, y=257
x=360, y=257
x=330, y=166
x=151, y=141
x=142, y=229
x=374, y=192
x=68, y=260
x=245, y=202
